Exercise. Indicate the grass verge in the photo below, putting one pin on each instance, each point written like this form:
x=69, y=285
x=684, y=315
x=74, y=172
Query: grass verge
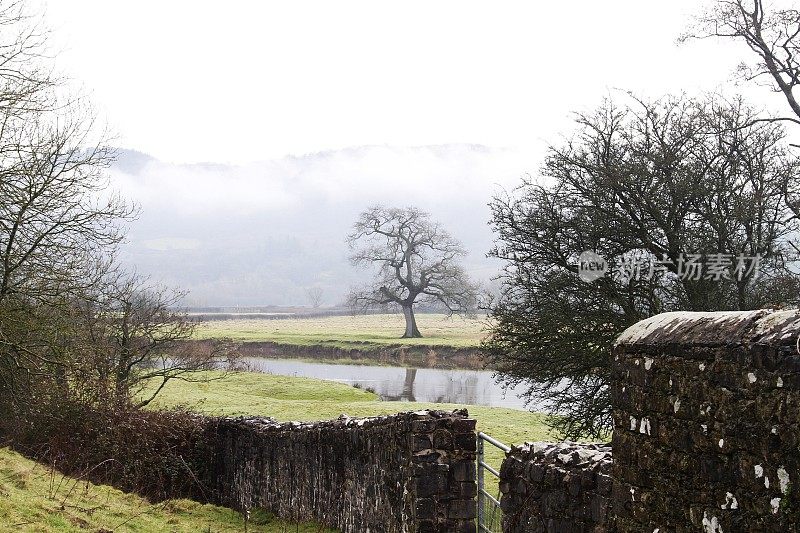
x=34, y=498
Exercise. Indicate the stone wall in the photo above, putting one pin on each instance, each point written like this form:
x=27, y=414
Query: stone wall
x=407, y=472
x=707, y=423
x=556, y=487
x=706, y=434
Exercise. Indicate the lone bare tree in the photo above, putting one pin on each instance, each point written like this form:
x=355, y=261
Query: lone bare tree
x=417, y=260
x=314, y=295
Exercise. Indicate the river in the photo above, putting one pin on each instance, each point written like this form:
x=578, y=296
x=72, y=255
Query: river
x=470, y=387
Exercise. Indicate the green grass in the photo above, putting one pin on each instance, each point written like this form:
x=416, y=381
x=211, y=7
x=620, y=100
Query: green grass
x=361, y=332
x=33, y=498
x=306, y=399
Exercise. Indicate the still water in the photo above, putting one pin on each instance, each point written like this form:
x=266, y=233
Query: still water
x=471, y=387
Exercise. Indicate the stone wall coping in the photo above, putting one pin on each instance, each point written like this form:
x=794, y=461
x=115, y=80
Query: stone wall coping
x=566, y=452
x=344, y=421
x=722, y=328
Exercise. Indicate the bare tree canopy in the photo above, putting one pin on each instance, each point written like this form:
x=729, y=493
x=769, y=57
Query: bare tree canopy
x=57, y=216
x=314, y=296
x=654, y=183
x=771, y=32
x=138, y=342
x=417, y=262
x=71, y=325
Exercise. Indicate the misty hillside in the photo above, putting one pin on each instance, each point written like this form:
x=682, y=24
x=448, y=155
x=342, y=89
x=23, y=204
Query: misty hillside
x=261, y=233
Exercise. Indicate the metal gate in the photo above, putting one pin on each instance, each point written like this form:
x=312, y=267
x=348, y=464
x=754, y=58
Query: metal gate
x=490, y=517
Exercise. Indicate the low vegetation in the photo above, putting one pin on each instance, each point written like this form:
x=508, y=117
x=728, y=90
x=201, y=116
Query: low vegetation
x=34, y=498
x=361, y=332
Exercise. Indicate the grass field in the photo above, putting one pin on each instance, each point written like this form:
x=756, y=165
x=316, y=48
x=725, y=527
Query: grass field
x=360, y=332
x=33, y=498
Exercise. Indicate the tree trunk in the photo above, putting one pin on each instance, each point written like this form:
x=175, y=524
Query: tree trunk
x=411, y=323
x=408, y=385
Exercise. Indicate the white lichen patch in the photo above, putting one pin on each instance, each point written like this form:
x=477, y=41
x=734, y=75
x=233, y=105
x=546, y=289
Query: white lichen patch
x=779, y=383
x=705, y=428
x=648, y=363
x=633, y=423
x=721, y=443
x=677, y=405
x=701, y=366
x=774, y=430
x=759, y=471
x=775, y=503
x=783, y=479
x=711, y=524
x=644, y=426
x=766, y=482
x=638, y=362
x=751, y=377
x=730, y=502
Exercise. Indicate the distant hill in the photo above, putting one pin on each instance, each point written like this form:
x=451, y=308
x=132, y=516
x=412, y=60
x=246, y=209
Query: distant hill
x=262, y=233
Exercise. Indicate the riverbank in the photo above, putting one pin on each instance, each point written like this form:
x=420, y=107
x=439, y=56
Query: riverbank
x=448, y=342
x=443, y=357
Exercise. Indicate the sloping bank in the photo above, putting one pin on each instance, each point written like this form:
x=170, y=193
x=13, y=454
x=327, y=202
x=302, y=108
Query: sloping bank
x=420, y=356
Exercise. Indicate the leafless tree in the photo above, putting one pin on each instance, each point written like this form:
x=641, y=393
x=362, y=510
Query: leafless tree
x=59, y=223
x=771, y=33
x=135, y=342
x=57, y=215
x=417, y=262
x=314, y=295
x=656, y=180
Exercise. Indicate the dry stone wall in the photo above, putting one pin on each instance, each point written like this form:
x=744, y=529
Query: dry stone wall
x=561, y=487
x=410, y=472
x=707, y=423
x=706, y=435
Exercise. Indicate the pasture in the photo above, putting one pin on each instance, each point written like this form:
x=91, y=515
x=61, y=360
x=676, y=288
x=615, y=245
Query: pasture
x=362, y=332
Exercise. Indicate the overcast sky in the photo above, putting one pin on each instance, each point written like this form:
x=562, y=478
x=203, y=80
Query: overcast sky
x=310, y=111
x=241, y=81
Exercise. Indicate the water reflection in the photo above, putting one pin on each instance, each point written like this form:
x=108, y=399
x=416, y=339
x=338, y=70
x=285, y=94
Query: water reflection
x=471, y=387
